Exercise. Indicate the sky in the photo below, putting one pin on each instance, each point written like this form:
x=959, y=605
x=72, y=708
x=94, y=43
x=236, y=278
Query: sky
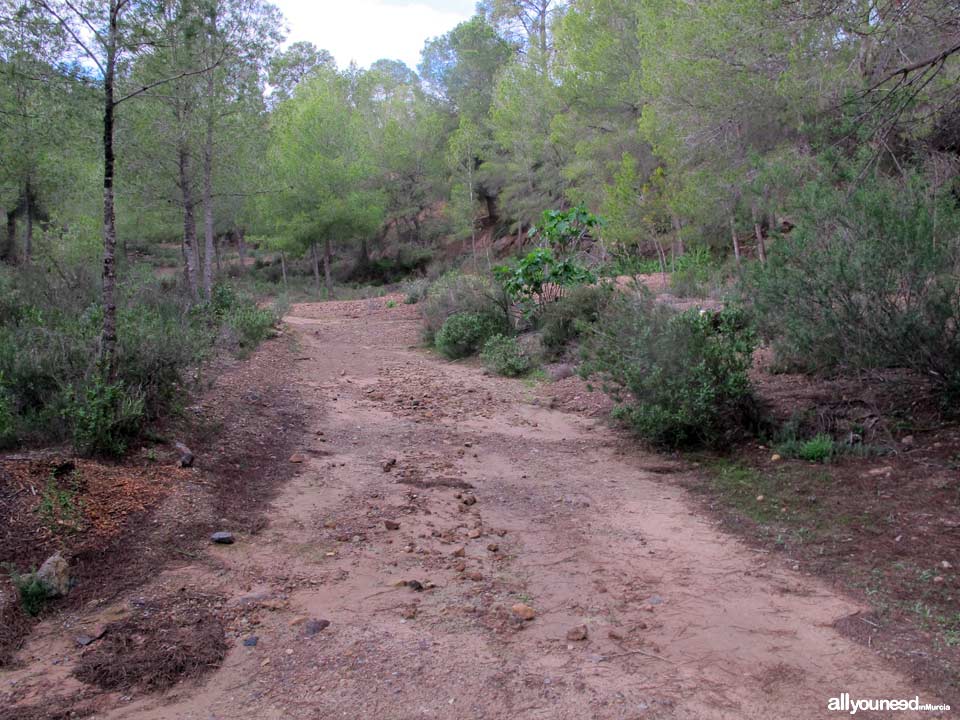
x=368, y=30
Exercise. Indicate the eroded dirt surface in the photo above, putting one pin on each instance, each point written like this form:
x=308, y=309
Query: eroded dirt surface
x=681, y=621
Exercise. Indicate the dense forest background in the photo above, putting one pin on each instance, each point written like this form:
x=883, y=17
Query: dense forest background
x=804, y=153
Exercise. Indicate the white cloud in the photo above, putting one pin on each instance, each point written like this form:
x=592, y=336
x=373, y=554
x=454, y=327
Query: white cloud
x=367, y=30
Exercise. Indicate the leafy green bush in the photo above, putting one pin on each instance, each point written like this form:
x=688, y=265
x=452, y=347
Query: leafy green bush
x=867, y=279
x=104, y=417
x=680, y=378
x=539, y=279
x=251, y=325
x=464, y=334
x=34, y=595
x=820, y=448
x=564, y=321
x=416, y=290
x=502, y=355
x=456, y=292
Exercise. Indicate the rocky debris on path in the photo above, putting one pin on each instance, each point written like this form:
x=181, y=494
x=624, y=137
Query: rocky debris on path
x=222, y=538
x=251, y=641
x=54, y=575
x=493, y=547
x=577, y=634
x=312, y=627
x=523, y=611
x=460, y=552
x=186, y=455
x=388, y=465
x=468, y=500
x=298, y=458
x=391, y=524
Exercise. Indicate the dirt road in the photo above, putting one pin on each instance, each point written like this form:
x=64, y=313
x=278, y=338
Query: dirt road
x=680, y=620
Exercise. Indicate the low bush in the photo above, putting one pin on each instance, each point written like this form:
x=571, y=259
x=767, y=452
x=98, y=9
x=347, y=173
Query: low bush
x=8, y=432
x=463, y=335
x=415, y=290
x=501, y=354
x=866, y=279
x=33, y=594
x=680, y=379
x=454, y=293
x=563, y=321
x=103, y=417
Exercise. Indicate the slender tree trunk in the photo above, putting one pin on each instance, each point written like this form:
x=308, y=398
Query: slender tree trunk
x=108, y=338
x=189, y=220
x=28, y=212
x=758, y=233
x=208, y=250
x=283, y=269
x=316, y=266
x=10, y=245
x=328, y=279
x=661, y=256
x=208, y=240
x=241, y=248
x=733, y=235
x=678, y=248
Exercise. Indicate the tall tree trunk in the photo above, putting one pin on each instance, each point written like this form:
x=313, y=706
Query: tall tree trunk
x=216, y=251
x=316, y=266
x=208, y=250
x=328, y=279
x=758, y=233
x=108, y=338
x=189, y=219
x=9, y=248
x=283, y=269
x=678, y=249
x=736, y=240
x=28, y=212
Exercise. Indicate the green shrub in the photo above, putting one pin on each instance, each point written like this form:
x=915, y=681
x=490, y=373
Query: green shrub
x=502, y=355
x=416, y=290
x=866, y=279
x=251, y=325
x=680, y=379
x=103, y=417
x=565, y=320
x=539, y=279
x=8, y=432
x=455, y=293
x=820, y=448
x=34, y=595
x=464, y=334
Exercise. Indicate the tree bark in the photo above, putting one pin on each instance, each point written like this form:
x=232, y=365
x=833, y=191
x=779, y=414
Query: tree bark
x=208, y=249
x=10, y=245
x=28, y=212
x=328, y=279
x=189, y=219
x=736, y=240
x=108, y=337
x=678, y=249
x=283, y=268
x=316, y=266
x=758, y=232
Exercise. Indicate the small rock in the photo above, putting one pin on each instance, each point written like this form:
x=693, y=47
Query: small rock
x=312, y=627
x=475, y=533
x=84, y=640
x=186, y=455
x=655, y=600
x=475, y=576
x=251, y=641
x=775, y=458
x=298, y=458
x=945, y=565
x=460, y=565
x=909, y=441
x=759, y=498
x=523, y=611
x=577, y=634
x=391, y=524
x=460, y=551
x=222, y=538
x=54, y=575
x=493, y=547
x=938, y=580
x=469, y=500
x=415, y=585
x=614, y=634
x=388, y=465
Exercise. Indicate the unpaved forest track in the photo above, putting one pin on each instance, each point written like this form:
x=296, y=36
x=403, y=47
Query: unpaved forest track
x=683, y=621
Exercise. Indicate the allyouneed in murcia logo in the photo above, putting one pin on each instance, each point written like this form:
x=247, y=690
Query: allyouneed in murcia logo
x=847, y=704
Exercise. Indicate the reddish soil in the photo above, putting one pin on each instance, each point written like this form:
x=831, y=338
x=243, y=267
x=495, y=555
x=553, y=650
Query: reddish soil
x=423, y=502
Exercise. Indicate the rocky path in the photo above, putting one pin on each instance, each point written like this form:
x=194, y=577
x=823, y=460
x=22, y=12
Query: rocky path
x=438, y=509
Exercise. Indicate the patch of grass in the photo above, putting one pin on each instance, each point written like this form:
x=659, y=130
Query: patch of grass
x=59, y=508
x=391, y=304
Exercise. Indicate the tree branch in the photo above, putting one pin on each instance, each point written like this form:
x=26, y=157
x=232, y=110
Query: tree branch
x=76, y=38
x=919, y=65
x=164, y=81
